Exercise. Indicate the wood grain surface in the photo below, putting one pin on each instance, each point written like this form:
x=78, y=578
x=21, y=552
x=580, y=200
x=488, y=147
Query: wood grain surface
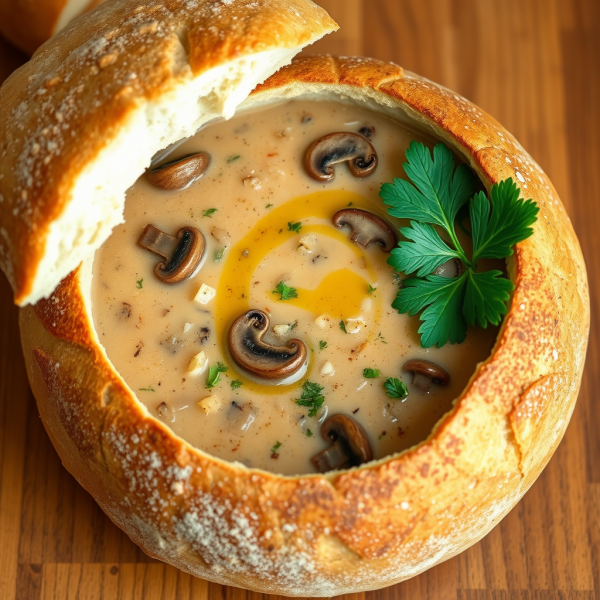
x=534, y=65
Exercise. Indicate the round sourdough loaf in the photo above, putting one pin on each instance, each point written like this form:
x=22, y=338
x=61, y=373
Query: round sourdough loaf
x=28, y=24
x=313, y=535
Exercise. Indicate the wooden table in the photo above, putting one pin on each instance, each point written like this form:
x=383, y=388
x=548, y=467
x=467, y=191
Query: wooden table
x=533, y=64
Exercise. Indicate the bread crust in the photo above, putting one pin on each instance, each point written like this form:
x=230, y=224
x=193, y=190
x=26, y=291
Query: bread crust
x=352, y=530
x=95, y=78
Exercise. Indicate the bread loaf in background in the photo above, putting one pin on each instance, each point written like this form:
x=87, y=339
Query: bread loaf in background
x=27, y=25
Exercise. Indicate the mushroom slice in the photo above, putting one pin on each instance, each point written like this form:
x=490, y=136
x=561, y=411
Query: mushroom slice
x=335, y=148
x=179, y=174
x=183, y=253
x=450, y=269
x=425, y=372
x=366, y=228
x=251, y=353
x=350, y=444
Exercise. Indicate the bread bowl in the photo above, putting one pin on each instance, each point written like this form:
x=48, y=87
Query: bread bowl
x=28, y=25
x=517, y=405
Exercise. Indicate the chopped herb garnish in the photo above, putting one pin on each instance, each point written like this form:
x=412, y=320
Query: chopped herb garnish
x=322, y=345
x=148, y=389
x=285, y=292
x=433, y=197
x=209, y=212
x=311, y=397
x=232, y=158
x=140, y=284
x=343, y=326
x=296, y=227
x=274, y=453
x=395, y=388
x=268, y=206
x=383, y=434
x=370, y=289
x=293, y=325
x=235, y=384
x=350, y=203
x=309, y=433
x=214, y=374
x=381, y=339
x=371, y=373
x=219, y=255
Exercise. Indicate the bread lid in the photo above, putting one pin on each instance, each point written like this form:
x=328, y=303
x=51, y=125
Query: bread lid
x=82, y=120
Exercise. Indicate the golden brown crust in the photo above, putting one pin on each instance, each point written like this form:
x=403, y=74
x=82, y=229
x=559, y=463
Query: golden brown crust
x=93, y=76
x=358, y=529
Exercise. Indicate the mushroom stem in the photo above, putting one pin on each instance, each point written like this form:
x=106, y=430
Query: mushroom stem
x=334, y=457
x=159, y=242
x=182, y=253
x=350, y=444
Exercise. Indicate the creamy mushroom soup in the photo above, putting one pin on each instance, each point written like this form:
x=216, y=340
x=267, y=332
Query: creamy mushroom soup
x=269, y=315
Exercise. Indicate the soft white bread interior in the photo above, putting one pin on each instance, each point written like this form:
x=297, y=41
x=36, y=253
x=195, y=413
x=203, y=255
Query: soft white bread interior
x=82, y=120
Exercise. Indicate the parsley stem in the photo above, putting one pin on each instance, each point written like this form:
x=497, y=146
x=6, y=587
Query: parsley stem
x=457, y=246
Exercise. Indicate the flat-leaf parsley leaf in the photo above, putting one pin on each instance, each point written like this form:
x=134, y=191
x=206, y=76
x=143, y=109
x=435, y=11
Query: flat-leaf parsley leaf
x=295, y=227
x=371, y=373
x=214, y=374
x=285, y=292
x=395, y=388
x=432, y=199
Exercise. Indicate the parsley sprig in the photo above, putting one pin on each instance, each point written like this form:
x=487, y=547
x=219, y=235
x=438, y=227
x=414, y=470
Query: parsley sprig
x=432, y=199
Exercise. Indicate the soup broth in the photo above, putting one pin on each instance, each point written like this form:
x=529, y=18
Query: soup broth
x=268, y=229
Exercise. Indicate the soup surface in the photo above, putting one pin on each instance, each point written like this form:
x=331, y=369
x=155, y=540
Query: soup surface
x=268, y=223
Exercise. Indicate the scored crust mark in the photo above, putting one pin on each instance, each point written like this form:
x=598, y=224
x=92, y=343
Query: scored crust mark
x=425, y=373
x=324, y=154
x=180, y=173
x=350, y=444
x=183, y=253
x=367, y=228
x=250, y=352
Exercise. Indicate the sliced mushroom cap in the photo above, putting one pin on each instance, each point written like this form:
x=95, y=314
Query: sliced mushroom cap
x=425, y=372
x=179, y=174
x=450, y=269
x=366, y=228
x=350, y=444
x=251, y=353
x=183, y=253
x=335, y=148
